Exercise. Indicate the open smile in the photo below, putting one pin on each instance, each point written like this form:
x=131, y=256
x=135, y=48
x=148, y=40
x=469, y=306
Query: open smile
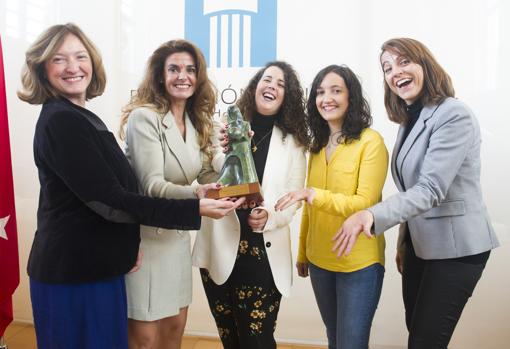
x=403, y=82
x=268, y=96
x=73, y=78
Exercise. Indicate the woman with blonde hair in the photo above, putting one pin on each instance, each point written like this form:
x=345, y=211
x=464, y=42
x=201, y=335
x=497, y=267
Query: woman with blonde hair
x=89, y=211
x=168, y=143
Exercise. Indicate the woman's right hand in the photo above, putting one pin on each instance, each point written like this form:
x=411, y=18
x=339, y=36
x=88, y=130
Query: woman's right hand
x=302, y=269
x=219, y=208
x=307, y=194
x=223, y=137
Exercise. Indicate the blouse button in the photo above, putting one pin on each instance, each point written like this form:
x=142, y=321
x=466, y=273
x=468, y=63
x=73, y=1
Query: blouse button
x=268, y=244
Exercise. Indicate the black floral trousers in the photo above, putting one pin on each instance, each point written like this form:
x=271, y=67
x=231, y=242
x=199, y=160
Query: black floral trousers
x=246, y=306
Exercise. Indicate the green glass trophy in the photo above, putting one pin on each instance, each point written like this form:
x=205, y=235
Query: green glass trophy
x=238, y=175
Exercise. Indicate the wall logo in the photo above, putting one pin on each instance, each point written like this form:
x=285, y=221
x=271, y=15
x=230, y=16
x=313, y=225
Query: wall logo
x=233, y=33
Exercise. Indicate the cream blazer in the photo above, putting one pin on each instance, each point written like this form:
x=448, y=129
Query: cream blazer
x=217, y=243
x=165, y=166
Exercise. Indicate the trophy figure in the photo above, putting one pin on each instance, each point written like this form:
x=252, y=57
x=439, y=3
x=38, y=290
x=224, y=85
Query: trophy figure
x=238, y=175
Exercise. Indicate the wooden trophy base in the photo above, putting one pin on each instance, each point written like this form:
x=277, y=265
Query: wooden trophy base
x=250, y=190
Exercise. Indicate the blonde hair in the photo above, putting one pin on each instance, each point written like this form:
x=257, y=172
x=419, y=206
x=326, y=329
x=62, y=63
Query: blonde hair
x=437, y=84
x=36, y=89
x=152, y=92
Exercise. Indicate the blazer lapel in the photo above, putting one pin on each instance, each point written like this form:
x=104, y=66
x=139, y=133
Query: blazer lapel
x=176, y=143
x=418, y=128
x=396, y=150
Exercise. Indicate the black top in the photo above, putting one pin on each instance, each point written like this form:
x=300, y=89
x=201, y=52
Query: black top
x=262, y=125
x=89, y=209
x=413, y=113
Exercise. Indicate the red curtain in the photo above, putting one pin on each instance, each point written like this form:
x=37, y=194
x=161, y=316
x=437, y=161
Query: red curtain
x=9, y=264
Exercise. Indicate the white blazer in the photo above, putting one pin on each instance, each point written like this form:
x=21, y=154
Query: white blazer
x=217, y=243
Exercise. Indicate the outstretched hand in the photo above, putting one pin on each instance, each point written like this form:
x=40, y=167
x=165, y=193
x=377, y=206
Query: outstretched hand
x=347, y=235
x=294, y=196
x=219, y=208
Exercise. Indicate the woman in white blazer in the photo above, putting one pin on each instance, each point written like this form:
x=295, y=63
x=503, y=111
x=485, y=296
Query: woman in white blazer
x=245, y=258
x=169, y=126
x=445, y=233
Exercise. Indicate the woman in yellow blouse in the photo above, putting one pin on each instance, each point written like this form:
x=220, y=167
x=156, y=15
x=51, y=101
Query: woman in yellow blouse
x=346, y=172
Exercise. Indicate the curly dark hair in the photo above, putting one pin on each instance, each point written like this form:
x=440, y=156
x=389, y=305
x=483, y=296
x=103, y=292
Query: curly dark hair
x=357, y=117
x=291, y=116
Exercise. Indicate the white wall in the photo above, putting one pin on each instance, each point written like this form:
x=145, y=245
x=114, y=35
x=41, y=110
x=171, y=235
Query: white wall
x=469, y=38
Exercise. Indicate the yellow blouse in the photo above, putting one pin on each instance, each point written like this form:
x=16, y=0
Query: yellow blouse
x=351, y=181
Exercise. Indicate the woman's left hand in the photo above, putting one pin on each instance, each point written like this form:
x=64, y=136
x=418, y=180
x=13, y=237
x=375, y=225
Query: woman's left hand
x=346, y=236
x=257, y=219
x=294, y=196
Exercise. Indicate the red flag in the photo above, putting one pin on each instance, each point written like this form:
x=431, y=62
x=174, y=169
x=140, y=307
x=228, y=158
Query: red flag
x=9, y=264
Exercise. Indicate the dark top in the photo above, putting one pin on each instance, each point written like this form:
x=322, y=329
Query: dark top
x=263, y=127
x=89, y=209
x=413, y=113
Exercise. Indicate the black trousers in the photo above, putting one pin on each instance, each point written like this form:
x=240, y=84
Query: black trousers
x=435, y=293
x=246, y=306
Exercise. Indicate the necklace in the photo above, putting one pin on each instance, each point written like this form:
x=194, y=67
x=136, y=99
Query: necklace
x=254, y=147
x=331, y=140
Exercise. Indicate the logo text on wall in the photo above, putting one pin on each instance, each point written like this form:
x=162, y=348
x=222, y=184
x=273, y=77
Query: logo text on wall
x=233, y=33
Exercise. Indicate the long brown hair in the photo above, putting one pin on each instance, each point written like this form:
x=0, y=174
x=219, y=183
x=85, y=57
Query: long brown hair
x=152, y=92
x=437, y=84
x=36, y=89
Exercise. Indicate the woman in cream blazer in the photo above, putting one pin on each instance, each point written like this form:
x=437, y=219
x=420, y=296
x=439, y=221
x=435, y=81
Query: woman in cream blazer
x=245, y=258
x=168, y=141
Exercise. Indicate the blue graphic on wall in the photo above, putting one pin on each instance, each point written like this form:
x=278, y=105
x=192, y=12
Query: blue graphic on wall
x=233, y=33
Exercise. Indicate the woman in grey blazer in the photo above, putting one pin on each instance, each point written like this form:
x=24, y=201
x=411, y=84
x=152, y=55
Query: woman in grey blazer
x=445, y=232
x=168, y=143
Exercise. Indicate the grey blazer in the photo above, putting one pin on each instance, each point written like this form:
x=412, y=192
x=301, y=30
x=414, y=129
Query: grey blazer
x=437, y=171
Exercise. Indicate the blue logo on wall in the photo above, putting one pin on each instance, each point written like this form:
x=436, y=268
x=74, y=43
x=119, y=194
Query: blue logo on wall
x=233, y=33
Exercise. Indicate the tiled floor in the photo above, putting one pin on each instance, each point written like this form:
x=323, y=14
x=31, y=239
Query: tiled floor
x=22, y=336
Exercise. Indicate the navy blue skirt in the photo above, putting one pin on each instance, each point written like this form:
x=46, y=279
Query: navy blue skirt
x=85, y=315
